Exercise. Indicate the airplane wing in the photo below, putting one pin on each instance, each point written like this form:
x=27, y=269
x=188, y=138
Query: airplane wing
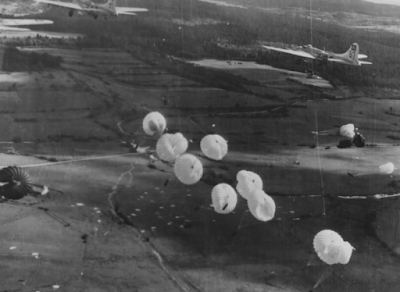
x=129, y=10
x=337, y=61
x=292, y=52
x=10, y=28
x=362, y=56
x=14, y=22
x=348, y=63
x=61, y=4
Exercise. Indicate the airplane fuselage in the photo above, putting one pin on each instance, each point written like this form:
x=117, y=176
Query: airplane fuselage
x=325, y=55
x=315, y=52
x=309, y=53
x=95, y=10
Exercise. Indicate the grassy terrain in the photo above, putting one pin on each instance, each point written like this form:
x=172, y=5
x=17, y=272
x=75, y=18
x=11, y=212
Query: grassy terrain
x=99, y=97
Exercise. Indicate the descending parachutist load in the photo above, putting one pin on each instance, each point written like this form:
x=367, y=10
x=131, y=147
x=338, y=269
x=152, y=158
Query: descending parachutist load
x=224, y=198
x=261, y=206
x=248, y=182
x=331, y=248
x=188, y=169
x=387, y=168
x=154, y=124
x=170, y=146
x=348, y=131
x=214, y=146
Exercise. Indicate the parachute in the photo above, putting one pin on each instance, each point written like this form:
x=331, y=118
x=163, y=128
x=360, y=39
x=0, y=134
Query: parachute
x=188, y=169
x=387, y=168
x=214, y=146
x=331, y=248
x=169, y=146
x=224, y=198
x=347, y=131
x=345, y=253
x=261, y=205
x=154, y=123
x=17, y=183
x=248, y=182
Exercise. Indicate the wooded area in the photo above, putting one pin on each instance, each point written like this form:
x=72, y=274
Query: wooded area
x=238, y=34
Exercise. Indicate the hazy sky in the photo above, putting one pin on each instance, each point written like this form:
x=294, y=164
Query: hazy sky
x=394, y=2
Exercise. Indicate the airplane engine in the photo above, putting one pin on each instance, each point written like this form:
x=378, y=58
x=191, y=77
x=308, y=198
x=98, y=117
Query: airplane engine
x=70, y=13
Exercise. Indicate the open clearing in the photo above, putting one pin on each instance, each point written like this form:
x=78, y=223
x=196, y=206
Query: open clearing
x=85, y=109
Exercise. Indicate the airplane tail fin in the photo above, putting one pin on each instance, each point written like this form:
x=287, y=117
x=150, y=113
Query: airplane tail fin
x=352, y=53
x=111, y=4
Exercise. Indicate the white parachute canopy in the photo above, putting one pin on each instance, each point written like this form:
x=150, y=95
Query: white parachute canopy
x=154, y=123
x=170, y=146
x=331, y=248
x=347, y=131
x=261, y=205
x=224, y=198
x=248, y=182
x=345, y=253
x=387, y=168
x=214, y=146
x=188, y=169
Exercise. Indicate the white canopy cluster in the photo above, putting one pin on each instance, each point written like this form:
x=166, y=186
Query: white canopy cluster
x=329, y=245
x=250, y=187
x=331, y=248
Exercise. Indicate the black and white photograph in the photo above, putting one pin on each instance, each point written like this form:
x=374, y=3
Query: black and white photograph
x=200, y=145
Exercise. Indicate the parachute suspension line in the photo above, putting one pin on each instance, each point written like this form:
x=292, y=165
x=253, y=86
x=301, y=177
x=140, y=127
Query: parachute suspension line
x=76, y=160
x=197, y=125
x=179, y=120
x=241, y=220
x=311, y=36
x=316, y=122
x=319, y=160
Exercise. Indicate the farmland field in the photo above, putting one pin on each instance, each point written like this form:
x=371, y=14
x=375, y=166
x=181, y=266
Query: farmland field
x=107, y=214
x=82, y=111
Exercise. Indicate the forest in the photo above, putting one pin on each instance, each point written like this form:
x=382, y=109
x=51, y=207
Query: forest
x=238, y=34
x=15, y=60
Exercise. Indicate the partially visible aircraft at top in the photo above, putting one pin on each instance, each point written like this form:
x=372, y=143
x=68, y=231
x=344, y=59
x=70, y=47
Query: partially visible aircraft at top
x=10, y=24
x=351, y=57
x=93, y=9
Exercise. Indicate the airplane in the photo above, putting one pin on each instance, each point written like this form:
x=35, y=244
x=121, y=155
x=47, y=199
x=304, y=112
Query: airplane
x=351, y=57
x=93, y=9
x=9, y=24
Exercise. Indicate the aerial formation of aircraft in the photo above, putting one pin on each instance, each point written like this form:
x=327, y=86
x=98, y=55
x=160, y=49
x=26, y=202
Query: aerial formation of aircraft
x=10, y=24
x=351, y=57
x=93, y=9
